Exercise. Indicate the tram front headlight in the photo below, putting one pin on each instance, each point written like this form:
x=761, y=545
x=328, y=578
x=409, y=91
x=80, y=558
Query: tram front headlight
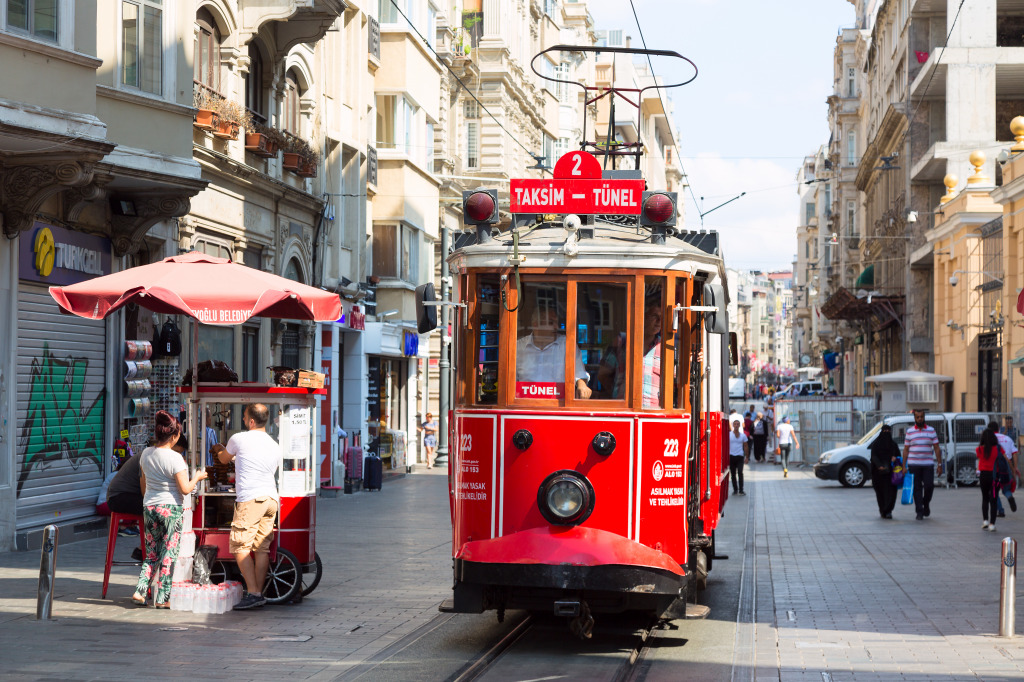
x=566, y=498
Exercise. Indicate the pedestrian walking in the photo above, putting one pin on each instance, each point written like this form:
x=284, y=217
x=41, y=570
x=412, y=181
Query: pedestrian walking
x=1006, y=484
x=429, y=429
x=884, y=453
x=787, y=439
x=760, y=430
x=921, y=453
x=739, y=453
x=987, y=451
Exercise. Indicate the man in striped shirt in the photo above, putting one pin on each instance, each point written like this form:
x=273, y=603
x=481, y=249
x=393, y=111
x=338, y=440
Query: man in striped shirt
x=921, y=453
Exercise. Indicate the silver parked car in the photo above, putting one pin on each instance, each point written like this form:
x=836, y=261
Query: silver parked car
x=958, y=434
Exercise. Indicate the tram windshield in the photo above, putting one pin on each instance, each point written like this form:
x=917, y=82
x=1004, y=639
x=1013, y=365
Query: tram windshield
x=581, y=339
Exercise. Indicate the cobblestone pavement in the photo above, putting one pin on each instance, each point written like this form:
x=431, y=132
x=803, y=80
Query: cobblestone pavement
x=862, y=598
x=387, y=566
x=817, y=587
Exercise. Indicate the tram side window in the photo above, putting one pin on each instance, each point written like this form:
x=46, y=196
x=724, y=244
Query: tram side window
x=654, y=310
x=540, y=344
x=602, y=318
x=487, y=355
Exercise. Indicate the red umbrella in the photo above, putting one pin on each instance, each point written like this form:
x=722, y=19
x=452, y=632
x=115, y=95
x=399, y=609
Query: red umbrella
x=209, y=289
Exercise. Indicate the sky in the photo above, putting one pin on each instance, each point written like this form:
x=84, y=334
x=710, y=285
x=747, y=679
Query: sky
x=756, y=109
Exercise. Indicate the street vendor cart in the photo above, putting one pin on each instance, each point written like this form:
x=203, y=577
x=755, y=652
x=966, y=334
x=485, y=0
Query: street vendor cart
x=295, y=567
x=217, y=291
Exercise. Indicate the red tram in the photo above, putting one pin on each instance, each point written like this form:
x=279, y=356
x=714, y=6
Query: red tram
x=588, y=458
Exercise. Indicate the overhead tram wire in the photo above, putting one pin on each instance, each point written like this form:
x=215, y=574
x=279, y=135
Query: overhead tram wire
x=463, y=85
x=675, y=144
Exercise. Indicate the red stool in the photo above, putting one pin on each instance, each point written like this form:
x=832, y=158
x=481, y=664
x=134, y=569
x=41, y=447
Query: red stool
x=116, y=519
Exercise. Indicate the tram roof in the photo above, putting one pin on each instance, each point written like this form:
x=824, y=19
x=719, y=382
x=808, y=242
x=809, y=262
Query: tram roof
x=612, y=246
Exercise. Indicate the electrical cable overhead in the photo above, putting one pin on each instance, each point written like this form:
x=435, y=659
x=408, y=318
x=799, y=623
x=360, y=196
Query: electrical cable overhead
x=675, y=145
x=463, y=85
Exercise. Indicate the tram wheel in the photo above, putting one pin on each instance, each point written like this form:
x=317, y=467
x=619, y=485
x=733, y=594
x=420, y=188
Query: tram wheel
x=284, y=578
x=306, y=589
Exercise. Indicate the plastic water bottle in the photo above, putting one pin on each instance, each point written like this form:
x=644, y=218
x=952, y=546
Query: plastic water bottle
x=237, y=586
x=185, y=602
x=223, y=598
x=175, y=597
x=204, y=599
x=209, y=600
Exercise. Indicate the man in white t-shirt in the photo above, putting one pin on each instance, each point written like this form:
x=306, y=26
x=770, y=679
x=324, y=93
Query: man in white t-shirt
x=256, y=456
x=540, y=355
x=739, y=453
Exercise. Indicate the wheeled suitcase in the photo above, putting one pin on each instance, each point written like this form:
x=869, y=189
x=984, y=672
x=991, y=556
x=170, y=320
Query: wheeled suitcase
x=373, y=473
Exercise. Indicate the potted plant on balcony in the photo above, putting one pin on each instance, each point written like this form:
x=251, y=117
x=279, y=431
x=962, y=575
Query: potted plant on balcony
x=233, y=116
x=263, y=140
x=299, y=156
x=205, y=103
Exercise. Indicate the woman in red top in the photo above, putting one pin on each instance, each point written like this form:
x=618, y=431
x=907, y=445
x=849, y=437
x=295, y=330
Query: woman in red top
x=987, y=452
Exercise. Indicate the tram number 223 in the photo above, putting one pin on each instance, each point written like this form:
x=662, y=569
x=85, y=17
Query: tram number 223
x=466, y=442
x=671, y=447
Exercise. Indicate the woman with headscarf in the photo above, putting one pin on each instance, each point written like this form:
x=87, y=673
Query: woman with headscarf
x=884, y=452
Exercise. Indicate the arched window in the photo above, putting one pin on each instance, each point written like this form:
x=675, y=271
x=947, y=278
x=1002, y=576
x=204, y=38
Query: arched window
x=291, y=102
x=293, y=272
x=255, y=91
x=206, y=70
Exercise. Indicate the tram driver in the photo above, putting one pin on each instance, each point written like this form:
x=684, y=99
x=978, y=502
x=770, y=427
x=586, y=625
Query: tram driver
x=540, y=354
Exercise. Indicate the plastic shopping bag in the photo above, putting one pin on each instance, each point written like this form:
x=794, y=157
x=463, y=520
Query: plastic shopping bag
x=898, y=472
x=908, y=489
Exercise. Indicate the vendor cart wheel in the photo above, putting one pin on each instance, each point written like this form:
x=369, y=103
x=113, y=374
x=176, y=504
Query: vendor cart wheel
x=284, y=578
x=219, y=572
x=307, y=588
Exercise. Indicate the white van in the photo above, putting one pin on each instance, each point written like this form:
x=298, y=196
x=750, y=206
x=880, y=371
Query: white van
x=813, y=386
x=737, y=389
x=958, y=434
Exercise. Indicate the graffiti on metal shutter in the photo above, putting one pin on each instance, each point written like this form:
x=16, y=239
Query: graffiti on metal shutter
x=58, y=425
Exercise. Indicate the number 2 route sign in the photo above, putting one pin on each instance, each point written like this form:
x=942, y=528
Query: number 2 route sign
x=577, y=188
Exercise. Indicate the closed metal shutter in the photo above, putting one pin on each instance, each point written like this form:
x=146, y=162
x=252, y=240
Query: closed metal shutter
x=60, y=412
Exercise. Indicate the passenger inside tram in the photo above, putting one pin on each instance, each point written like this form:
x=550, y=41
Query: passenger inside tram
x=540, y=350
x=614, y=367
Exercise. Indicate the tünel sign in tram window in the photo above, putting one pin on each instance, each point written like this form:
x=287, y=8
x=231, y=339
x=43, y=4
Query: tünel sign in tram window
x=541, y=344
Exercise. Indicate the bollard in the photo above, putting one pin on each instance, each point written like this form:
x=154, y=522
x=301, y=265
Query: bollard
x=1007, y=588
x=47, y=572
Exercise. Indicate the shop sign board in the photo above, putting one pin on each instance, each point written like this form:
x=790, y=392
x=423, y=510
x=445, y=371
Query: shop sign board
x=57, y=256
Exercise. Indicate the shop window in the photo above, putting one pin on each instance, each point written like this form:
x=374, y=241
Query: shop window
x=217, y=343
x=602, y=318
x=142, y=45
x=290, y=346
x=487, y=353
x=38, y=18
x=250, y=369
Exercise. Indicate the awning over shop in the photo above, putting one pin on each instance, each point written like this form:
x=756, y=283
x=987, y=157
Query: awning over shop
x=843, y=305
x=866, y=279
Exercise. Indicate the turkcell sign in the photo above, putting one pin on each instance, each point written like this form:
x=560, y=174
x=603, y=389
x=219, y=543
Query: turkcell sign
x=584, y=196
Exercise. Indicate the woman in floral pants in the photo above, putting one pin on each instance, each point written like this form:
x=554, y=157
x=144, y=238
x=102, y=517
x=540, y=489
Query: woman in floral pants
x=165, y=482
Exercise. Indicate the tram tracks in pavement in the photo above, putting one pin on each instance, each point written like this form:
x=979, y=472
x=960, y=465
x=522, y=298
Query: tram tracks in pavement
x=469, y=647
x=542, y=648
